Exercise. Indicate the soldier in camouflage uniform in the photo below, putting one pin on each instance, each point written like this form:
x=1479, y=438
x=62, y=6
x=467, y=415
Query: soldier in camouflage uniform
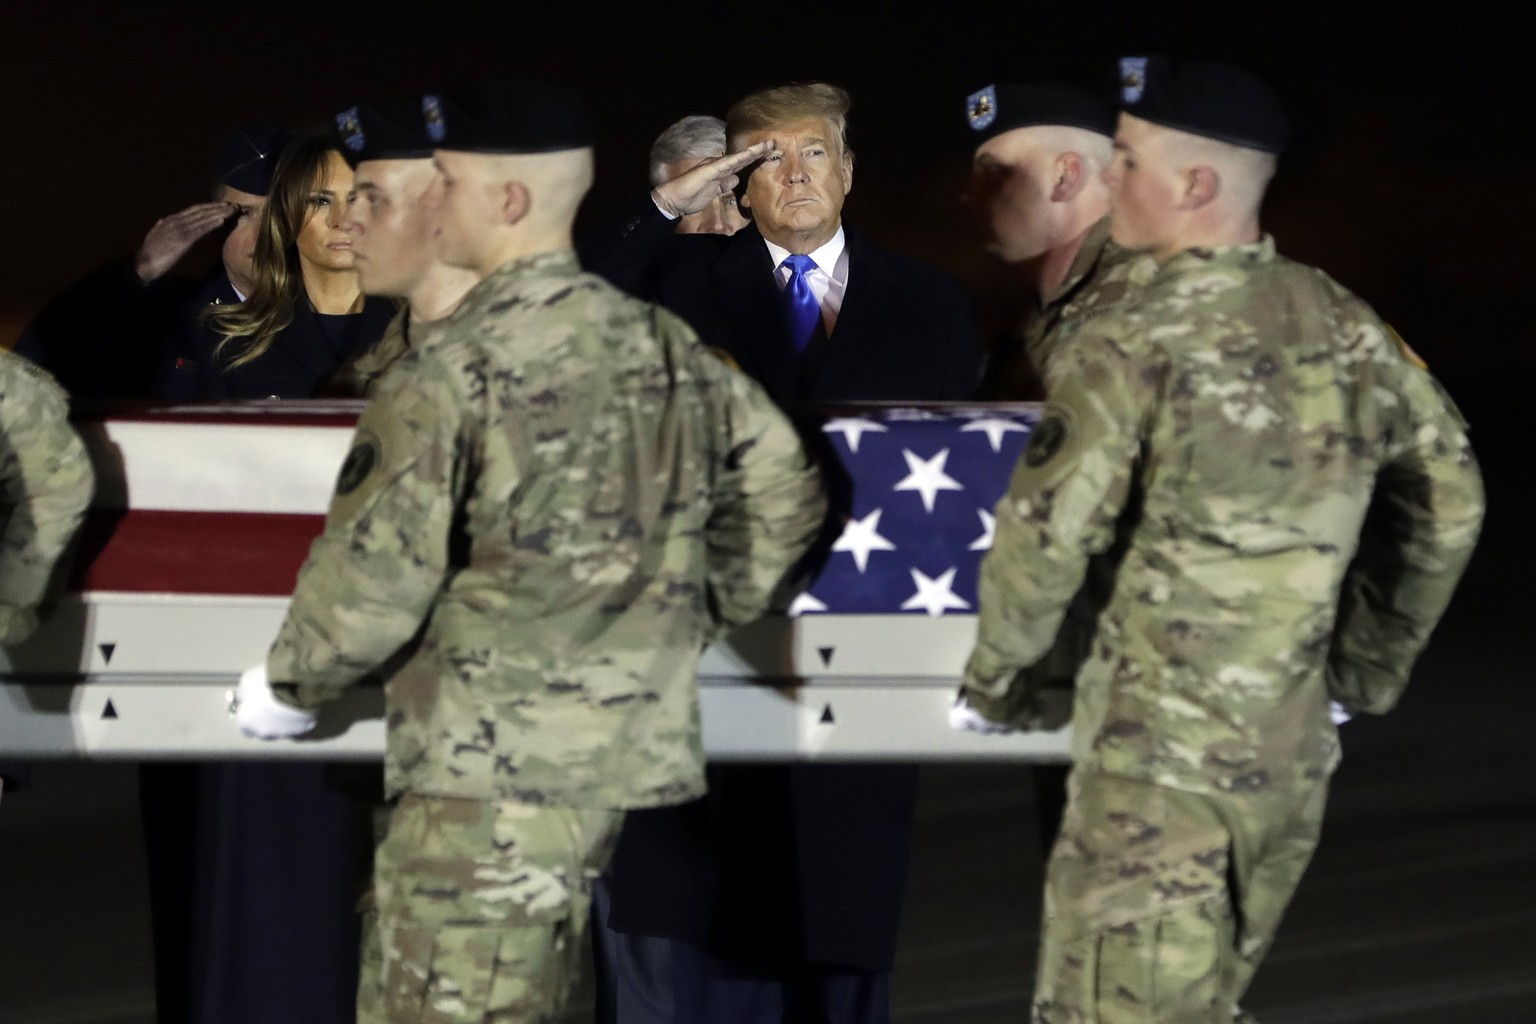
x=45, y=486
x=1036, y=187
x=390, y=154
x=1293, y=500
x=546, y=515
x=1036, y=183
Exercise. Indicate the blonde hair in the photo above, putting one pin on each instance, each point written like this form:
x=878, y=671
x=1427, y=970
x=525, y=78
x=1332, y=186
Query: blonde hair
x=770, y=108
x=278, y=281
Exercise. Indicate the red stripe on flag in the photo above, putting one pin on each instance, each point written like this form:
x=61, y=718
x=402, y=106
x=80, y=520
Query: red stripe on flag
x=248, y=553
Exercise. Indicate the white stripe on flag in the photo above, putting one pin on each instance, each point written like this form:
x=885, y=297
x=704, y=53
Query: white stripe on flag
x=215, y=467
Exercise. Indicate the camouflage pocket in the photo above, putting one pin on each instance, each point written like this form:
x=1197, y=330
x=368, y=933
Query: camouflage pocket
x=472, y=975
x=1172, y=966
x=1130, y=851
x=477, y=863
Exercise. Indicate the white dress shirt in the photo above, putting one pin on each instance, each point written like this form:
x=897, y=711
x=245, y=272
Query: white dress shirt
x=829, y=287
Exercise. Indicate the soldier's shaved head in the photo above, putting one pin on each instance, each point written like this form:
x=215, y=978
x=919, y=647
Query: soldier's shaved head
x=1171, y=190
x=556, y=181
x=495, y=208
x=1038, y=188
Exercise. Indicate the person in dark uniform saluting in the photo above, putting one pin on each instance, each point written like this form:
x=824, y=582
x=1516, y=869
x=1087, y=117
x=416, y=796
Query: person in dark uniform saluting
x=108, y=335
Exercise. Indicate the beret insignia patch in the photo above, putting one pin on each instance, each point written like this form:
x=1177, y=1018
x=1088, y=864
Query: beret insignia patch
x=1133, y=78
x=360, y=462
x=981, y=107
x=1045, y=441
x=432, y=116
x=350, y=129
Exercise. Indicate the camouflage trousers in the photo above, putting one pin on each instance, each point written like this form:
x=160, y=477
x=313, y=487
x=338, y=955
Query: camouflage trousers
x=1159, y=903
x=479, y=908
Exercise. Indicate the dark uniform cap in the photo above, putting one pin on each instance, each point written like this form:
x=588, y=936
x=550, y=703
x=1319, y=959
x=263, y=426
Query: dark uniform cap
x=1218, y=101
x=386, y=131
x=518, y=116
x=1008, y=105
x=247, y=155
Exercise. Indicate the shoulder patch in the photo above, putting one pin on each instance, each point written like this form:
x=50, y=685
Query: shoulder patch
x=1046, y=440
x=359, y=463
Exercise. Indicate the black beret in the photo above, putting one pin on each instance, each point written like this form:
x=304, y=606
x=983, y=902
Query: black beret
x=1008, y=105
x=246, y=156
x=517, y=116
x=1218, y=101
x=392, y=131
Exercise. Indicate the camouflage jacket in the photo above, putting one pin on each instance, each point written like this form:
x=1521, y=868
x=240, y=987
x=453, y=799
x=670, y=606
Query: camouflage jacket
x=1293, y=502
x=1102, y=275
x=45, y=487
x=544, y=518
x=362, y=375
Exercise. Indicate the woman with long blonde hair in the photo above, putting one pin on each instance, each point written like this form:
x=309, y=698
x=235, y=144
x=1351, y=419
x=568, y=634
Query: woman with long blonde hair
x=305, y=317
x=269, y=935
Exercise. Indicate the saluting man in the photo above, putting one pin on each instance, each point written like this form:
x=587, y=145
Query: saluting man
x=1292, y=501
x=545, y=517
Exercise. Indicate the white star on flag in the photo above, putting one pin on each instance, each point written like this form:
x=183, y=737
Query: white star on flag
x=852, y=429
x=804, y=602
x=933, y=596
x=988, y=531
x=927, y=477
x=860, y=537
x=995, y=428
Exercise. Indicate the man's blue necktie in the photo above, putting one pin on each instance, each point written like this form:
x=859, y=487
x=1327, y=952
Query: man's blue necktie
x=799, y=304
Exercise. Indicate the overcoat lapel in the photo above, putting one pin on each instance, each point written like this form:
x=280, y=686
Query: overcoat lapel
x=749, y=303
x=864, y=319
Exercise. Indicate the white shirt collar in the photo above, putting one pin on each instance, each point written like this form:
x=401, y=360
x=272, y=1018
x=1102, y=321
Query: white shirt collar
x=829, y=258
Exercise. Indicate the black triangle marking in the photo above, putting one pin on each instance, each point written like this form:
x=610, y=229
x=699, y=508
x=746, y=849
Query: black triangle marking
x=826, y=655
x=106, y=652
x=826, y=716
x=109, y=711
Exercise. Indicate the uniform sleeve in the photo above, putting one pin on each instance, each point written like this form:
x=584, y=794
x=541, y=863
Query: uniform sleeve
x=100, y=338
x=768, y=501
x=46, y=483
x=372, y=576
x=1420, y=528
x=624, y=250
x=1070, y=486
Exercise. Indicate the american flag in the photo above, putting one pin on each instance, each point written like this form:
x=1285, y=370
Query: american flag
x=227, y=502
x=923, y=482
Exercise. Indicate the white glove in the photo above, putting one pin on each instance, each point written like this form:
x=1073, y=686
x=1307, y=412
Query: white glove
x=964, y=718
x=258, y=712
x=1338, y=713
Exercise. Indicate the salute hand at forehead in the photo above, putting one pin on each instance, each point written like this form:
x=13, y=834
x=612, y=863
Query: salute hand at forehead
x=694, y=190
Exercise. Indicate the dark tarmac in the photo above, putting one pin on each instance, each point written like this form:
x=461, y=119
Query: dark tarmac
x=1420, y=906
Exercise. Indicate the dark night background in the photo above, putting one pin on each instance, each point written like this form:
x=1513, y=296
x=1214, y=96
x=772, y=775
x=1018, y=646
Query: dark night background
x=1411, y=183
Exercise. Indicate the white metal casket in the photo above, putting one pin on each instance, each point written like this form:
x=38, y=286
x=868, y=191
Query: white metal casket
x=204, y=514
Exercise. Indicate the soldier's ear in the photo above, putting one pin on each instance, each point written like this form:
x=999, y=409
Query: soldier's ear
x=1068, y=177
x=1202, y=184
x=516, y=202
